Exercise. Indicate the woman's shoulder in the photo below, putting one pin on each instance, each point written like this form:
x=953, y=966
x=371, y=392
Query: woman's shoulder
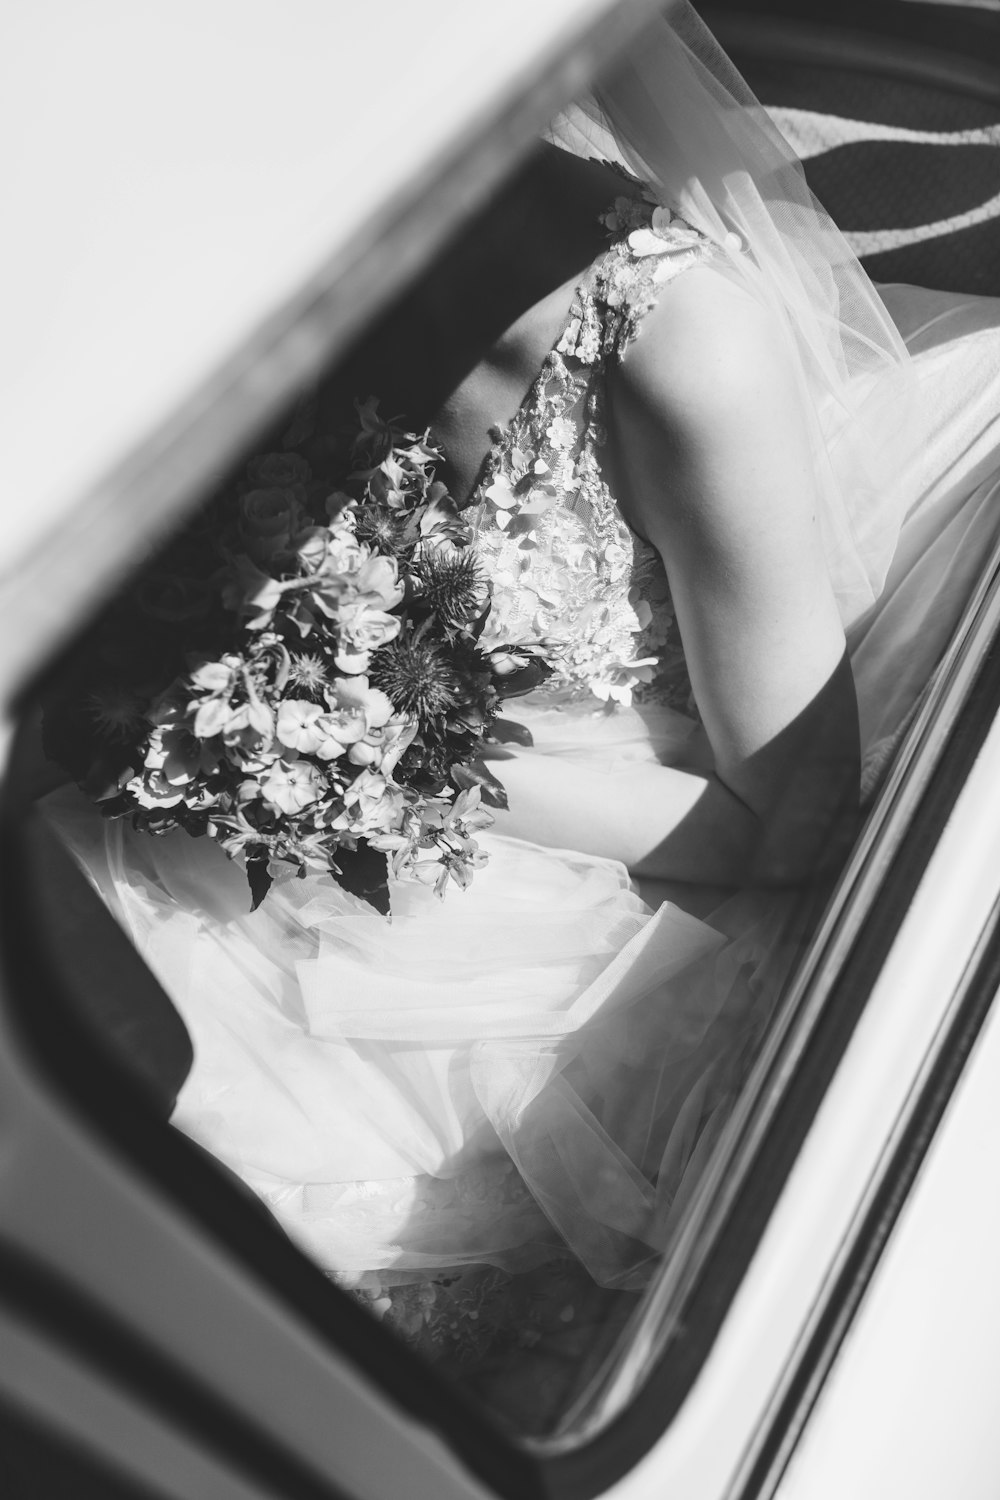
x=707, y=346
x=705, y=401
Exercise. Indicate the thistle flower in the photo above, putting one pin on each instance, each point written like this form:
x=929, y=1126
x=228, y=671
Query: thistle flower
x=117, y=713
x=418, y=677
x=303, y=758
x=452, y=582
x=382, y=527
x=308, y=674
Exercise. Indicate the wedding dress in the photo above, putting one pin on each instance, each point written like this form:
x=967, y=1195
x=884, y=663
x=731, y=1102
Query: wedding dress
x=533, y=1071
x=472, y=1112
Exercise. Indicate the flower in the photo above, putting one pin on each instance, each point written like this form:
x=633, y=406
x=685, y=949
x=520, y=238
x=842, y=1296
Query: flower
x=291, y=788
x=435, y=845
x=371, y=805
x=620, y=678
x=117, y=712
x=382, y=746
x=570, y=337
x=270, y=512
x=289, y=756
x=232, y=707
x=217, y=677
x=670, y=225
x=174, y=759
x=418, y=677
x=561, y=432
x=278, y=470
x=501, y=494
x=377, y=582
x=645, y=241
x=441, y=518
x=456, y=818
x=175, y=750
x=344, y=557
x=666, y=234
x=363, y=630
x=165, y=596
x=298, y=725
x=627, y=213
x=154, y=790
x=452, y=582
x=310, y=546
x=355, y=709
x=307, y=671
x=353, y=712
x=589, y=348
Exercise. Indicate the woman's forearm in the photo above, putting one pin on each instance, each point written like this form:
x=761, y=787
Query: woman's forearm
x=669, y=824
x=660, y=822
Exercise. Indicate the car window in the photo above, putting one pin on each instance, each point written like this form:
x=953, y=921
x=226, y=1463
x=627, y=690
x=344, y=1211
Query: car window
x=654, y=1147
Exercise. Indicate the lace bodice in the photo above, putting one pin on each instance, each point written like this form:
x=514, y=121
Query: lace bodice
x=566, y=567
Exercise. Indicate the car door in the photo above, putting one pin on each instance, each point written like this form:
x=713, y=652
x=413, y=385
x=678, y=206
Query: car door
x=219, y=202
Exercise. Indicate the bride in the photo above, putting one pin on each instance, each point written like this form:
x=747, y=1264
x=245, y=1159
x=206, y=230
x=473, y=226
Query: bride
x=745, y=498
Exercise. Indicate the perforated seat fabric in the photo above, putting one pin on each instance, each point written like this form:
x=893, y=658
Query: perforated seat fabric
x=895, y=108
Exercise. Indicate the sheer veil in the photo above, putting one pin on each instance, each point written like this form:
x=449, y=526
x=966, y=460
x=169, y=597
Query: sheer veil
x=680, y=117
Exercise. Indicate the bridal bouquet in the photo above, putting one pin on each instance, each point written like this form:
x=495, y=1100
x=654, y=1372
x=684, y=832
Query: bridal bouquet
x=300, y=676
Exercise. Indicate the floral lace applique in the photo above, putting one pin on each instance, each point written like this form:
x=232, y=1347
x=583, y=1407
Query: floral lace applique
x=567, y=569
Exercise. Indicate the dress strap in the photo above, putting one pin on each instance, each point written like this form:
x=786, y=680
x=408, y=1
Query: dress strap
x=651, y=247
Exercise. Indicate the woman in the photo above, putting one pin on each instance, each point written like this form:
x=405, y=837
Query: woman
x=685, y=425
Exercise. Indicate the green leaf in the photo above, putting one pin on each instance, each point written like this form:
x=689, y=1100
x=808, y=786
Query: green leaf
x=364, y=872
x=507, y=732
x=530, y=676
x=477, y=773
x=106, y=776
x=258, y=874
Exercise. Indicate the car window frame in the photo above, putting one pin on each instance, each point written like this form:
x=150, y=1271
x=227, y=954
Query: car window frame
x=854, y=937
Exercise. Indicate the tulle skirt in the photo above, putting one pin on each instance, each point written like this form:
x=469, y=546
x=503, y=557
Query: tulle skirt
x=538, y=1066
x=485, y=1079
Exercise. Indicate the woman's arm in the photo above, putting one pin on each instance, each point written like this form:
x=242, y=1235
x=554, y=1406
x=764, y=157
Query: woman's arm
x=712, y=462
x=685, y=826
x=624, y=815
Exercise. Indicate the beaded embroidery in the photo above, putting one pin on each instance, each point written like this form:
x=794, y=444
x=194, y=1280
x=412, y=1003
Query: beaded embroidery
x=566, y=567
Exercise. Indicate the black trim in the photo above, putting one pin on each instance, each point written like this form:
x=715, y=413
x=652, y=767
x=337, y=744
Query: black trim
x=64, y=1051
x=97, y=972
x=898, y=1176
x=69, y=1322
x=40, y=1464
